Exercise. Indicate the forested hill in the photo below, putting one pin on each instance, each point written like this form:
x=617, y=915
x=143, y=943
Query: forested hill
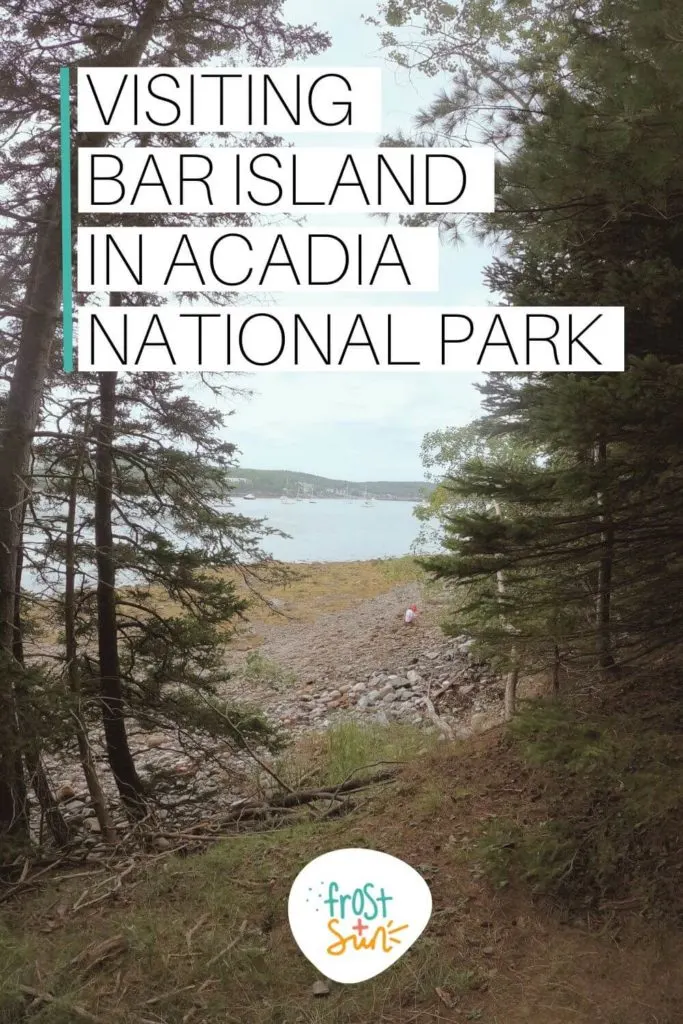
x=272, y=483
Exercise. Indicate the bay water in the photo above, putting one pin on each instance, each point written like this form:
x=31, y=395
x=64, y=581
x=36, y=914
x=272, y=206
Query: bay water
x=335, y=530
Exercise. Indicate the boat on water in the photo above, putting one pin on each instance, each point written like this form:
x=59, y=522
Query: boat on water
x=285, y=497
x=368, y=502
x=249, y=497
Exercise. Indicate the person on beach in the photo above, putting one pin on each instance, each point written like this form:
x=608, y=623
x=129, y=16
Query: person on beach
x=410, y=617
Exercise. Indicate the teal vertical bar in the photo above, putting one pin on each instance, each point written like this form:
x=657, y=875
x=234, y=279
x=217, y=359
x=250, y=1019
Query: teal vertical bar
x=65, y=161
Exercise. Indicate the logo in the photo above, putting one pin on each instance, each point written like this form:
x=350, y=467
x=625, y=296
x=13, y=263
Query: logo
x=354, y=912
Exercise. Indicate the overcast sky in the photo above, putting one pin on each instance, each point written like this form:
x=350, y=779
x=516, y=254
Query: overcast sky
x=352, y=425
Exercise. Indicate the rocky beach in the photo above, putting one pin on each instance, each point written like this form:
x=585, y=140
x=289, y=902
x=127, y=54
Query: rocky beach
x=307, y=675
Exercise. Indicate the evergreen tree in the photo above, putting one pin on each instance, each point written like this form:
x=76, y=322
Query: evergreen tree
x=585, y=110
x=38, y=39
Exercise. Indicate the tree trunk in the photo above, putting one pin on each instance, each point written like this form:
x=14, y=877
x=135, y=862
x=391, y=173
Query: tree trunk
x=36, y=772
x=511, y=681
x=40, y=308
x=605, y=570
x=111, y=689
x=85, y=753
x=556, y=673
x=512, y=677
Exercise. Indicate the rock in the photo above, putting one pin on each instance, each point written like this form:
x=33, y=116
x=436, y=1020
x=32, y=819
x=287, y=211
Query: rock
x=372, y=697
x=320, y=988
x=161, y=843
x=413, y=677
x=399, y=683
x=432, y=655
x=75, y=807
x=65, y=792
x=466, y=689
x=389, y=697
x=156, y=740
x=93, y=825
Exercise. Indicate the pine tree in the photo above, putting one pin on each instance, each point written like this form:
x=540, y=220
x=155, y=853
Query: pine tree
x=118, y=34
x=585, y=111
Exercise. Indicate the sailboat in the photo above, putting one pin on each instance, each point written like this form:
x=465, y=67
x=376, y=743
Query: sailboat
x=369, y=502
x=284, y=497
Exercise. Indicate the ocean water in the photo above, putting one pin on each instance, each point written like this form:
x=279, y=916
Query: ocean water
x=335, y=530
x=320, y=531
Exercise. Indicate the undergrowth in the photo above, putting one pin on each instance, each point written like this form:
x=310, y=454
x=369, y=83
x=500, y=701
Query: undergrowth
x=608, y=824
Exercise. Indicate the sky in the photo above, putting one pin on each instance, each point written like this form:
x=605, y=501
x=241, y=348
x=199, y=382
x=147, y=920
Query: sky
x=359, y=426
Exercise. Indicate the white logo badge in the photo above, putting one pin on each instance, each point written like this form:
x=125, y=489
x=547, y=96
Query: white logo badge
x=354, y=912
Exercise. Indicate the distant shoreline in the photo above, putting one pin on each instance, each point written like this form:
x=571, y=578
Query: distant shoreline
x=291, y=484
x=326, y=497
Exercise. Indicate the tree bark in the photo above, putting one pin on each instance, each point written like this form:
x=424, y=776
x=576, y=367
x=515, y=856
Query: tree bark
x=512, y=677
x=556, y=673
x=37, y=775
x=511, y=681
x=85, y=753
x=111, y=689
x=40, y=309
x=605, y=569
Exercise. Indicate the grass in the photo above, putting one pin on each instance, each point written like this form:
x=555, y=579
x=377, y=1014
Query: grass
x=259, y=669
x=350, y=748
x=321, y=587
x=206, y=938
x=311, y=590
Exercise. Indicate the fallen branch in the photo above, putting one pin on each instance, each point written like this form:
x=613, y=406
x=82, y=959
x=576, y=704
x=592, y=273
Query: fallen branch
x=46, y=997
x=442, y=726
x=169, y=995
x=240, y=933
x=278, y=811
x=93, y=956
x=350, y=786
x=27, y=879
